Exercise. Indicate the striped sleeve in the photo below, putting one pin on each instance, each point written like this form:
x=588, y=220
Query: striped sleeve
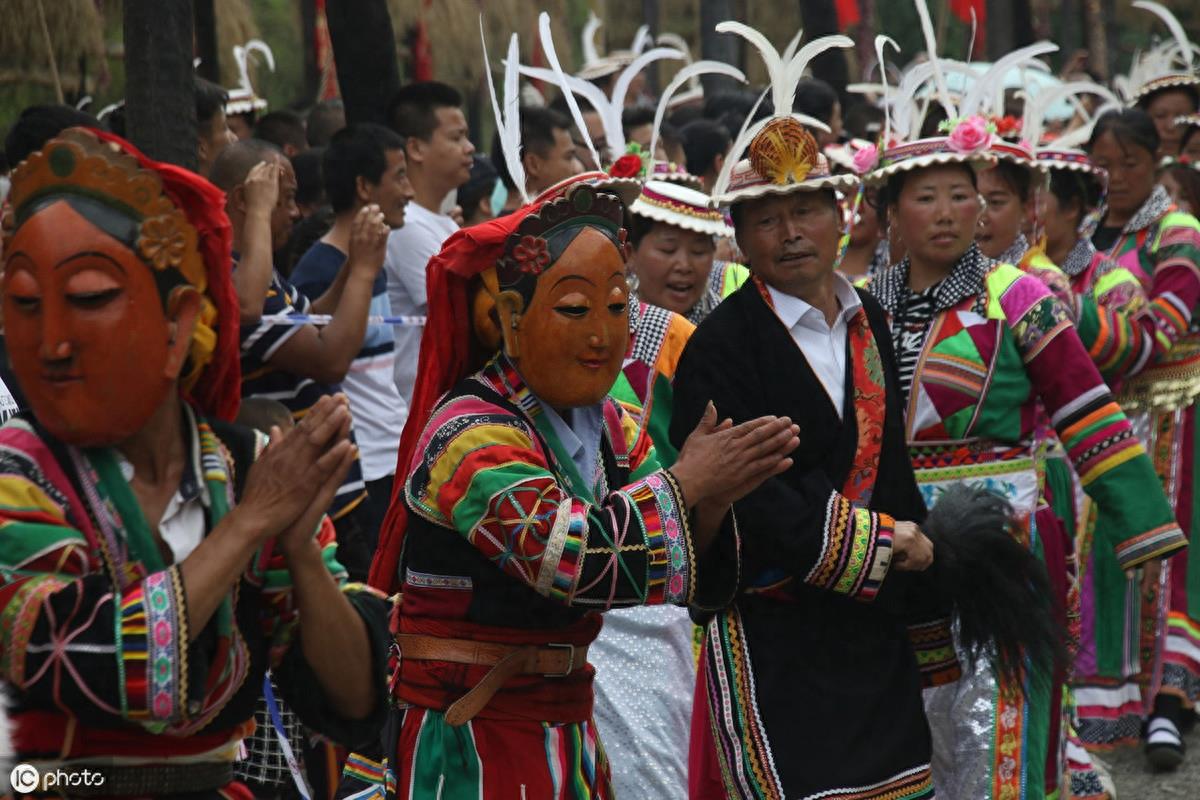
x=1112, y=464
x=1110, y=320
x=1175, y=288
x=480, y=472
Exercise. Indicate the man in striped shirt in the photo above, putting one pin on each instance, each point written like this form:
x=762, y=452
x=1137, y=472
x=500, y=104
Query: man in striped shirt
x=298, y=364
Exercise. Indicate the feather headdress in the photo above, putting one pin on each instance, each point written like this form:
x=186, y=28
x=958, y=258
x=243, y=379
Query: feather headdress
x=508, y=118
x=609, y=108
x=243, y=99
x=1167, y=65
x=785, y=157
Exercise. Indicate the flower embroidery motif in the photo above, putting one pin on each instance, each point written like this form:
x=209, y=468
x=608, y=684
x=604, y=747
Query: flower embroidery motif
x=162, y=242
x=532, y=254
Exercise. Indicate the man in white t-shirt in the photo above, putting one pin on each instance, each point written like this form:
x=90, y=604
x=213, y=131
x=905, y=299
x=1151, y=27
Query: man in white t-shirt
x=429, y=117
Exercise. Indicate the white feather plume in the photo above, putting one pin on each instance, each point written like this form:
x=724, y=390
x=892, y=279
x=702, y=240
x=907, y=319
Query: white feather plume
x=547, y=40
x=691, y=72
x=795, y=66
x=880, y=42
x=1177, y=31
x=784, y=73
x=986, y=85
x=1079, y=136
x=590, y=54
x=1037, y=106
x=770, y=56
x=508, y=119
x=640, y=39
x=241, y=56
x=739, y=144
x=931, y=49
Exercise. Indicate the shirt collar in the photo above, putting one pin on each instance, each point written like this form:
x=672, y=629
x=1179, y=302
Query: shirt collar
x=792, y=310
x=580, y=436
x=191, y=487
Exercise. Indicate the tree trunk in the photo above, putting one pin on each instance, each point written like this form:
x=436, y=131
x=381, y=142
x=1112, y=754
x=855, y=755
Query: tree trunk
x=160, y=103
x=364, y=48
x=206, y=41
x=717, y=46
x=999, y=28
x=308, y=31
x=1070, y=33
x=820, y=19
x=864, y=38
x=650, y=16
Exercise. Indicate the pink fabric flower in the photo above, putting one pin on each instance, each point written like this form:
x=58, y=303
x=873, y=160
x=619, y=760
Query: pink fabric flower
x=971, y=135
x=865, y=159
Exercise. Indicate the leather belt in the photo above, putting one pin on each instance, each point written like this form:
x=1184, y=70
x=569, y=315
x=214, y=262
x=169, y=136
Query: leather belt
x=548, y=660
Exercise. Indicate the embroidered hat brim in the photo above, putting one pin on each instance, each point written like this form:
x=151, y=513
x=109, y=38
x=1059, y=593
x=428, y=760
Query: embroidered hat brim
x=625, y=188
x=747, y=184
x=932, y=152
x=680, y=206
x=1069, y=160
x=1165, y=82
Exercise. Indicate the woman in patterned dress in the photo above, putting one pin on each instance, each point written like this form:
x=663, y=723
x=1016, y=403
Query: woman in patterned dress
x=980, y=344
x=1146, y=234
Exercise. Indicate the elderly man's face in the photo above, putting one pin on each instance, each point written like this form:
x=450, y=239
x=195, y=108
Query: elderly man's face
x=790, y=241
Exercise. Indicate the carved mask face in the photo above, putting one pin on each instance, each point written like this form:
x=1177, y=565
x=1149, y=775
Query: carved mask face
x=89, y=340
x=570, y=342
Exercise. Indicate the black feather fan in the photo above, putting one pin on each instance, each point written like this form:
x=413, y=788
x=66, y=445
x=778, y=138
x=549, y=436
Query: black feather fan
x=1000, y=591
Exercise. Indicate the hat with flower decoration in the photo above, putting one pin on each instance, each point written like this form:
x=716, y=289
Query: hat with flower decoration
x=970, y=129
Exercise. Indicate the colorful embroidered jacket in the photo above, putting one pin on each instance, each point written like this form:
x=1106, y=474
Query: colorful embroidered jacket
x=94, y=624
x=1160, y=247
x=657, y=338
x=508, y=542
x=1000, y=342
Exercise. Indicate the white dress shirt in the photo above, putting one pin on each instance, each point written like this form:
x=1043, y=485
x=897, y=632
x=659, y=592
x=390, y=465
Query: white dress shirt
x=185, y=520
x=823, y=345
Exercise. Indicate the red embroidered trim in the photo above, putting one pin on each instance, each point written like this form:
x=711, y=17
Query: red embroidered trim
x=870, y=403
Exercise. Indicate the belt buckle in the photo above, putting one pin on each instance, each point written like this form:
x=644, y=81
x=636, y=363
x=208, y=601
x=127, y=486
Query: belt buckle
x=570, y=648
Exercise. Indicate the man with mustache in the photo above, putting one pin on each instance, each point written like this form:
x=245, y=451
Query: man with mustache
x=808, y=683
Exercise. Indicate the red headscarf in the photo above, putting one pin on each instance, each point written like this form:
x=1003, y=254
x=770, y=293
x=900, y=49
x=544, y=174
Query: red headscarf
x=218, y=392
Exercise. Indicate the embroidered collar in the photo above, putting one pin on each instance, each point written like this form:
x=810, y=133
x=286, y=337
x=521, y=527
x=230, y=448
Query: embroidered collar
x=1016, y=251
x=965, y=280
x=1079, y=259
x=1154, y=209
x=711, y=297
x=881, y=258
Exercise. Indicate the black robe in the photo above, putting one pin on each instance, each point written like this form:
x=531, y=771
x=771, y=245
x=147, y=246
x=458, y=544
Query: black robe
x=836, y=703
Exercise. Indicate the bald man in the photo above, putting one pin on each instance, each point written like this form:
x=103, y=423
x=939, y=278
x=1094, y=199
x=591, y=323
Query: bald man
x=297, y=364
x=260, y=199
